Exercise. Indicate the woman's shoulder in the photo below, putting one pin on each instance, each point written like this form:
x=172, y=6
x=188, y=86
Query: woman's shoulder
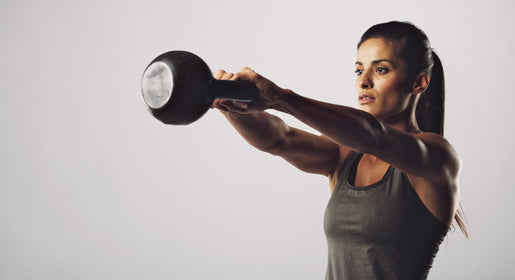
x=439, y=195
x=442, y=151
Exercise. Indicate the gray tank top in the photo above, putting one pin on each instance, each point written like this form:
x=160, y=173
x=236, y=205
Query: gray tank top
x=381, y=231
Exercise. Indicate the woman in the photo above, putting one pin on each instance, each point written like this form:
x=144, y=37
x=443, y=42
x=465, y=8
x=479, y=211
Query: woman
x=393, y=176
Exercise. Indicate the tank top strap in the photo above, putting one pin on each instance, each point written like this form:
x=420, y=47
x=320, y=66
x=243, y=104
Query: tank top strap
x=346, y=168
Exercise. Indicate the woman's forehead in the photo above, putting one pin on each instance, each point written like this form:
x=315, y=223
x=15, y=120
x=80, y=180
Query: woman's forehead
x=376, y=46
x=377, y=49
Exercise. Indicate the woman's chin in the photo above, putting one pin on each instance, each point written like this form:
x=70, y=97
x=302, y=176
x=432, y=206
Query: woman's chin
x=367, y=109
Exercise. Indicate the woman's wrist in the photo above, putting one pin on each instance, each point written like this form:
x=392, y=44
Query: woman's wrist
x=282, y=101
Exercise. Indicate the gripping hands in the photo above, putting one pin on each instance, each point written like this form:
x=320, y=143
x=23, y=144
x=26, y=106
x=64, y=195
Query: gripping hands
x=269, y=93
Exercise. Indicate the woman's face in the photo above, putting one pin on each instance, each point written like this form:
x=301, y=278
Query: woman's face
x=381, y=81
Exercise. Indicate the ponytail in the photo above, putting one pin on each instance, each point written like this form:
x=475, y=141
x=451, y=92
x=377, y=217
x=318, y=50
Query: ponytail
x=430, y=114
x=461, y=221
x=430, y=111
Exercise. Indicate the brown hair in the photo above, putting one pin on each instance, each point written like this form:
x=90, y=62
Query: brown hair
x=415, y=49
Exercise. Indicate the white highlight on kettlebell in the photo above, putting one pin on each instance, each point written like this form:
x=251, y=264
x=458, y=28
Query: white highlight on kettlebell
x=157, y=84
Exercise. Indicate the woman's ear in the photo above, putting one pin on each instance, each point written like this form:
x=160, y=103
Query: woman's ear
x=421, y=83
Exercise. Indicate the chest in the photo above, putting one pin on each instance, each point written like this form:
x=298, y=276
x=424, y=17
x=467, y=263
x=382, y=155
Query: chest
x=368, y=171
x=372, y=200
x=375, y=212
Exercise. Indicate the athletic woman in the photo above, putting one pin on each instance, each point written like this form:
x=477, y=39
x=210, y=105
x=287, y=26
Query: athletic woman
x=393, y=176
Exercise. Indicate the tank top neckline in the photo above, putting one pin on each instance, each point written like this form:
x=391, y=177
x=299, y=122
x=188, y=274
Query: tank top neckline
x=351, y=168
x=351, y=164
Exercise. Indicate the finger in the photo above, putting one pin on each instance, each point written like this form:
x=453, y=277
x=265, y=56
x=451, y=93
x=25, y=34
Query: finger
x=227, y=76
x=220, y=104
x=222, y=108
x=218, y=74
x=216, y=104
x=233, y=106
x=241, y=105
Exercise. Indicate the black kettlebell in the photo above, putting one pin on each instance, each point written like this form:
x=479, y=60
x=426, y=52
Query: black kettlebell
x=178, y=88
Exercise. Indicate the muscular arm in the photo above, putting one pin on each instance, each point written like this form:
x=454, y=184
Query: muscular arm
x=308, y=152
x=426, y=155
x=268, y=133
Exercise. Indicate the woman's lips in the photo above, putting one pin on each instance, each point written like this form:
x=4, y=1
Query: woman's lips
x=365, y=99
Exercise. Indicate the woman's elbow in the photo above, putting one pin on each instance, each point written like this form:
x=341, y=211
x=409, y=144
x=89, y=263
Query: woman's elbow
x=373, y=138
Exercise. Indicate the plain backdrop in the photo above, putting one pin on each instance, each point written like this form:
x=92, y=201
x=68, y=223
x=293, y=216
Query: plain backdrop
x=93, y=187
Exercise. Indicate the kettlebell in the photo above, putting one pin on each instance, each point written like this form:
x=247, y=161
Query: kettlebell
x=178, y=88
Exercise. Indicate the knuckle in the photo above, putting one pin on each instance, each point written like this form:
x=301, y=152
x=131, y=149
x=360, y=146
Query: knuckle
x=218, y=74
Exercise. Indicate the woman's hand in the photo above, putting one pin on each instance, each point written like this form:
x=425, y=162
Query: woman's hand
x=268, y=92
x=228, y=106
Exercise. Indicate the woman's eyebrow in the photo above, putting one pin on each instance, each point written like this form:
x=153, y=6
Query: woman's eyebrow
x=374, y=62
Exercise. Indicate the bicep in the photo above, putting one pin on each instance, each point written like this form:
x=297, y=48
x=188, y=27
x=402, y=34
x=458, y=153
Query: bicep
x=308, y=152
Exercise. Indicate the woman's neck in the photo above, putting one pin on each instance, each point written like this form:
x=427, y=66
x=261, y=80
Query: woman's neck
x=405, y=121
x=409, y=126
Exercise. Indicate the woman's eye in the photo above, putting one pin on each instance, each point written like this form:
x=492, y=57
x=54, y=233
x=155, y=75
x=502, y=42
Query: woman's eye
x=382, y=70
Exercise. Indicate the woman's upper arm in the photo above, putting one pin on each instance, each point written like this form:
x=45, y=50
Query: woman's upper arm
x=308, y=152
x=427, y=155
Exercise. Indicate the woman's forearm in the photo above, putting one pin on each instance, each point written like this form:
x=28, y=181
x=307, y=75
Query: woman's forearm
x=260, y=129
x=346, y=126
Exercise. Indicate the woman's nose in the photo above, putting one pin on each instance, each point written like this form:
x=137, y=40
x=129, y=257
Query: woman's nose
x=364, y=81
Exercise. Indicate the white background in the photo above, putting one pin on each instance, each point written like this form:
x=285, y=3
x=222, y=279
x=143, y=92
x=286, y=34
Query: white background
x=93, y=187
